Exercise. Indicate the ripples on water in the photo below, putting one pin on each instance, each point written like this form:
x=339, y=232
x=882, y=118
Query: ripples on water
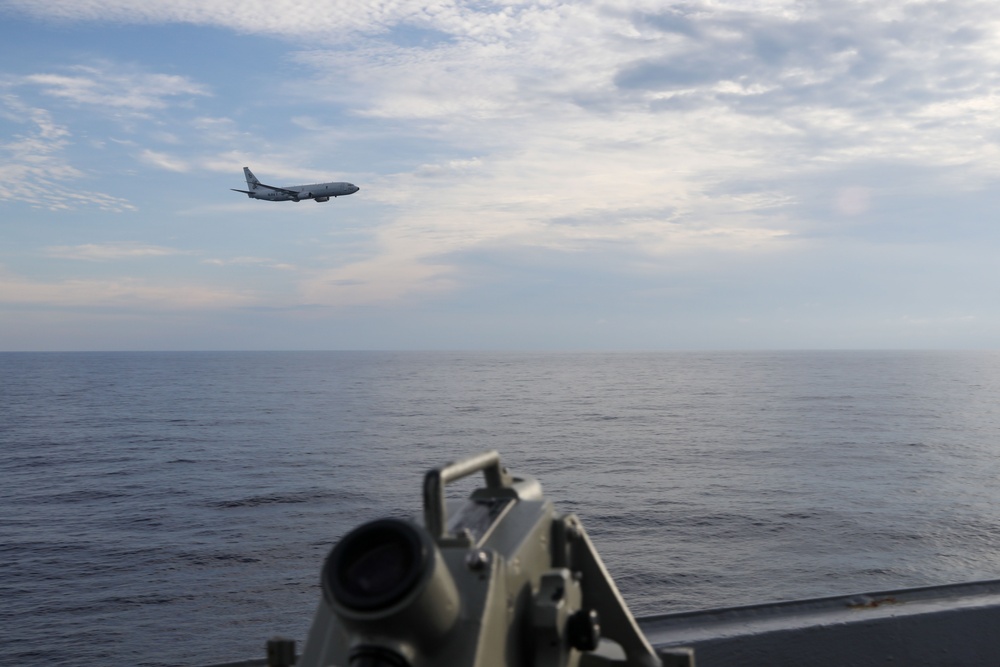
x=174, y=508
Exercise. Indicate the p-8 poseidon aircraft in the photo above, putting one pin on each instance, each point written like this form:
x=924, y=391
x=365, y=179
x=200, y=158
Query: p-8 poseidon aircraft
x=319, y=191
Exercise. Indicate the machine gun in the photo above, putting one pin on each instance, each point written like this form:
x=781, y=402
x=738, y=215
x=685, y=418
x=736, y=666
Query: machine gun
x=501, y=580
x=504, y=580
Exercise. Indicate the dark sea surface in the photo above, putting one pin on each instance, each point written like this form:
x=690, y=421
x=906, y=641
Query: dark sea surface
x=175, y=508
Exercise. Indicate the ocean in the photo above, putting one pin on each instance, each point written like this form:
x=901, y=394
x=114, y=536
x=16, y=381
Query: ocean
x=175, y=508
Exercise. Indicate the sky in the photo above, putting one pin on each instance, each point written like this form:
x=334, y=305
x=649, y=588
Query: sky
x=536, y=175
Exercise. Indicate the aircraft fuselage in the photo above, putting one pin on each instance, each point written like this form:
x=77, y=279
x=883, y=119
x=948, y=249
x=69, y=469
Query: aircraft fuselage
x=317, y=191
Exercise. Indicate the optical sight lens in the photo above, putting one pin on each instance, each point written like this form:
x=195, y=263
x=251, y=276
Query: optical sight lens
x=375, y=565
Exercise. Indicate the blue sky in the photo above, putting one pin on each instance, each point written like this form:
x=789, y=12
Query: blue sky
x=534, y=175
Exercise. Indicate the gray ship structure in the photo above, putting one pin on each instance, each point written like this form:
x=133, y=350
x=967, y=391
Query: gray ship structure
x=504, y=580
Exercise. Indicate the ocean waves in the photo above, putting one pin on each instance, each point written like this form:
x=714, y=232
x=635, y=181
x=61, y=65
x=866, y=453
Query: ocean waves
x=178, y=507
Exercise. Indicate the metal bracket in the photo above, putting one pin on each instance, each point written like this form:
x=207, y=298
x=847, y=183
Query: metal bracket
x=496, y=476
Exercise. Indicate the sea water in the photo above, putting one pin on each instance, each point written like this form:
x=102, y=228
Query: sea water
x=175, y=508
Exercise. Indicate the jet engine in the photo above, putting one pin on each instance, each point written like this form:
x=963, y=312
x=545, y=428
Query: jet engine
x=322, y=199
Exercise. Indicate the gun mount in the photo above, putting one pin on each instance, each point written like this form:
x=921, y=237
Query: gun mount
x=501, y=580
x=504, y=580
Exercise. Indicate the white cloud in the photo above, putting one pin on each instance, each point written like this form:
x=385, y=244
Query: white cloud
x=388, y=278
x=217, y=130
x=661, y=128
x=853, y=201
x=34, y=168
x=35, y=165
x=95, y=252
x=327, y=19
x=664, y=128
x=115, y=88
x=123, y=292
x=251, y=261
x=273, y=168
x=164, y=161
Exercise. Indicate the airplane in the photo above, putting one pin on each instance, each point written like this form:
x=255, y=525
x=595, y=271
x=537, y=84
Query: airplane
x=318, y=191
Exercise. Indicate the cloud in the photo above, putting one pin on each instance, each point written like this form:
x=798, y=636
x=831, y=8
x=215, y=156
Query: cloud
x=35, y=165
x=660, y=129
x=123, y=292
x=320, y=19
x=387, y=278
x=666, y=133
x=94, y=252
x=276, y=168
x=164, y=161
x=114, y=88
x=34, y=168
x=853, y=201
x=251, y=261
x=851, y=79
x=217, y=130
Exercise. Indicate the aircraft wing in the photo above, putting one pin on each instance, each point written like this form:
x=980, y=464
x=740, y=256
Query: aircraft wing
x=294, y=193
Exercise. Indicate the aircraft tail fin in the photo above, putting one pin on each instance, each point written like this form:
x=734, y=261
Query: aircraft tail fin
x=252, y=181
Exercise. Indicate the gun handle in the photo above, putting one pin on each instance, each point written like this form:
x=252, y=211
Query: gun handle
x=496, y=476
